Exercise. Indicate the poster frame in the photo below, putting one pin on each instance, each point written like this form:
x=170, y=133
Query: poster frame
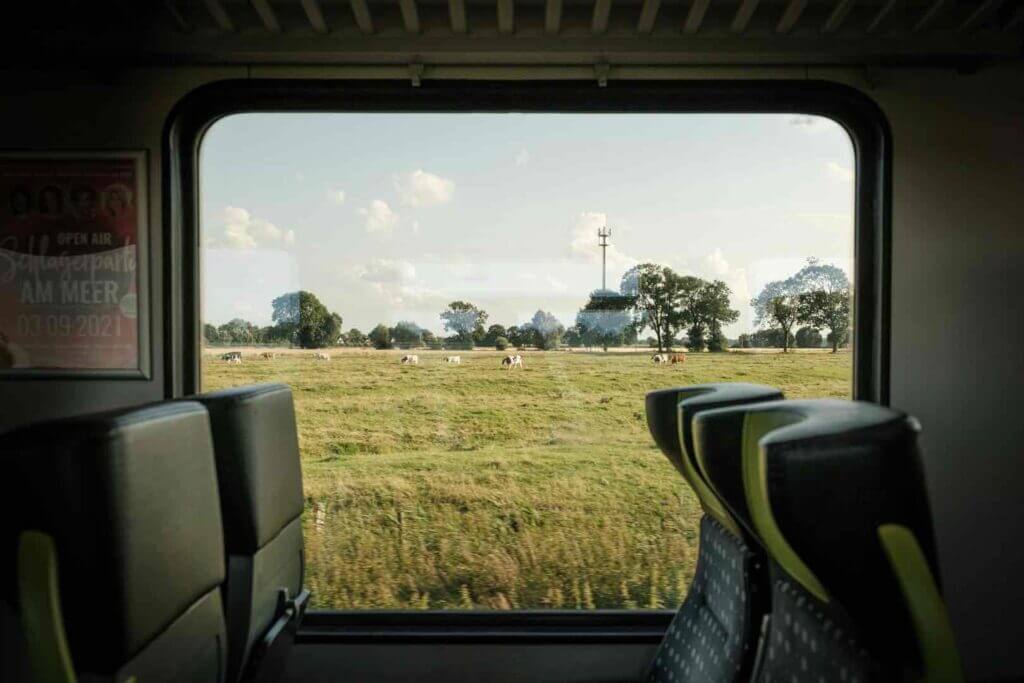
x=144, y=369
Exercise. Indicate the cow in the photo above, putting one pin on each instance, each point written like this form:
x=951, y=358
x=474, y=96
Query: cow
x=660, y=358
x=268, y=355
x=321, y=356
x=511, y=362
x=677, y=358
x=411, y=359
x=231, y=356
x=235, y=360
x=453, y=360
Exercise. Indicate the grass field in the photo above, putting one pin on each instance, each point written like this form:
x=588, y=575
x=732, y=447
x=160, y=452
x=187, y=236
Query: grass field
x=435, y=486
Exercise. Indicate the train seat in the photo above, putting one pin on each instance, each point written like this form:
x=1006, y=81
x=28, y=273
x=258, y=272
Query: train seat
x=260, y=478
x=714, y=634
x=834, y=492
x=114, y=553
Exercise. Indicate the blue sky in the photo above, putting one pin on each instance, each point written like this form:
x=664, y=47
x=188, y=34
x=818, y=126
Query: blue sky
x=388, y=217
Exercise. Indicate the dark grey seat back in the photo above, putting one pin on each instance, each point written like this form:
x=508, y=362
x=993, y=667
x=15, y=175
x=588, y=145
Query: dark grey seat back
x=128, y=502
x=835, y=494
x=714, y=635
x=260, y=479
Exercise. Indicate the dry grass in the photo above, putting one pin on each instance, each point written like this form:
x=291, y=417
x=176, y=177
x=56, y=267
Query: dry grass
x=437, y=486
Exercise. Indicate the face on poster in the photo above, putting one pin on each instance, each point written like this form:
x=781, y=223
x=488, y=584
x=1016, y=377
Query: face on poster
x=69, y=262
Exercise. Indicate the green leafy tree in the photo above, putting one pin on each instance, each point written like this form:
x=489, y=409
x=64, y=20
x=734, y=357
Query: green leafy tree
x=237, y=331
x=313, y=325
x=407, y=332
x=744, y=341
x=501, y=343
x=606, y=320
x=491, y=337
x=709, y=311
x=517, y=337
x=355, y=338
x=210, y=334
x=808, y=338
x=717, y=341
x=783, y=312
x=465, y=320
x=547, y=330
x=827, y=310
x=380, y=337
x=652, y=291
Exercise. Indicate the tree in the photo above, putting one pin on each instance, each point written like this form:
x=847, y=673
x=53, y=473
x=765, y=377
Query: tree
x=744, y=341
x=517, y=337
x=768, y=339
x=429, y=339
x=407, y=332
x=547, y=330
x=465, y=320
x=783, y=312
x=491, y=337
x=380, y=337
x=210, y=334
x=501, y=343
x=237, y=331
x=822, y=309
x=718, y=342
x=312, y=325
x=808, y=338
x=652, y=291
x=605, y=320
x=355, y=338
x=709, y=311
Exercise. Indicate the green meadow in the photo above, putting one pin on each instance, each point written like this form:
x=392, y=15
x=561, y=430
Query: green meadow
x=467, y=486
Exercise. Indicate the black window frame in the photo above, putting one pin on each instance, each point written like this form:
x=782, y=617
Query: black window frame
x=199, y=110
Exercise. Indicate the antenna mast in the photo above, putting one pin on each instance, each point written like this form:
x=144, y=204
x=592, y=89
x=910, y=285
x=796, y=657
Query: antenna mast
x=603, y=234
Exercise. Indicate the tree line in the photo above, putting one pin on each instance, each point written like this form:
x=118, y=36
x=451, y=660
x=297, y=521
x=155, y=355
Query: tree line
x=676, y=309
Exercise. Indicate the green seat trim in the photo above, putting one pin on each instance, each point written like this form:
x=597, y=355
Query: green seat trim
x=39, y=598
x=939, y=654
x=709, y=499
x=755, y=485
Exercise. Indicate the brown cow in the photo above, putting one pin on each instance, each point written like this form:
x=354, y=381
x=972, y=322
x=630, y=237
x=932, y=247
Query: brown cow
x=677, y=358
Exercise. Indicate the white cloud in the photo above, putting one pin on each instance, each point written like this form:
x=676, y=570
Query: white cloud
x=241, y=230
x=379, y=217
x=523, y=158
x=838, y=172
x=336, y=196
x=583, y=244
x=420, y=188
x=389, y=271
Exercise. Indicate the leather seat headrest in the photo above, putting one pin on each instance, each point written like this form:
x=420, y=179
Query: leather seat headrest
x=130, y=500
x=258, y=466
x=670, y=414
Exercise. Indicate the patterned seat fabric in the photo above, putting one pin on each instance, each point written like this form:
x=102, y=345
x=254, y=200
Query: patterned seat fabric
x=812, y=643
x=709, y=638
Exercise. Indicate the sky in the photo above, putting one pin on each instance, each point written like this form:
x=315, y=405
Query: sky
x=389, y=217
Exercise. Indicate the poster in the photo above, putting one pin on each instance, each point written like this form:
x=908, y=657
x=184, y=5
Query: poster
x=71, y=285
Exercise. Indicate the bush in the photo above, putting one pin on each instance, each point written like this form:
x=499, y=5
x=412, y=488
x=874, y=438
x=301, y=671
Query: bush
x=808, y=338
x=501, y=343
x=717, y=342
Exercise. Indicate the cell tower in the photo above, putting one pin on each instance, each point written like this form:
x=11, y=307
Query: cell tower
x=603, y=234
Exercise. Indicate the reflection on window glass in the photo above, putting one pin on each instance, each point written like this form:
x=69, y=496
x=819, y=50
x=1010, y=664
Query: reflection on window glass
x=470, y=307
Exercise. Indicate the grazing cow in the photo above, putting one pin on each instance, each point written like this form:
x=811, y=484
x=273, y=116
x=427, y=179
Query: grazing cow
x=677, y=358
x=411, y=359
x=453, y=360
x=660, y=358
x=511, y=362
x=268, y=355
x=231, y=356
x=320, y=356
x=235, y=360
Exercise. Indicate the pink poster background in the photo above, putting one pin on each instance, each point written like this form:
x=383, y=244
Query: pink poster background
x=69, y=275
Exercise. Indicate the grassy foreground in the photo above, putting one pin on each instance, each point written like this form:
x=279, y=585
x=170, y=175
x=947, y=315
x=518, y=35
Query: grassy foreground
x=434, y=486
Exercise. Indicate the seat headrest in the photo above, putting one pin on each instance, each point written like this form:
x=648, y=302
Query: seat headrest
x=130, y=500
x=258, y=467
x=670, y=414
x=816, y=480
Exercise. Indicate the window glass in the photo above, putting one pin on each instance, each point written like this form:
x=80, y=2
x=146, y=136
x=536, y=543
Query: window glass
x=470, y=307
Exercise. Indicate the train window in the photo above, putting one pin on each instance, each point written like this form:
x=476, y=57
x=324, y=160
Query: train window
x=470, y=307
